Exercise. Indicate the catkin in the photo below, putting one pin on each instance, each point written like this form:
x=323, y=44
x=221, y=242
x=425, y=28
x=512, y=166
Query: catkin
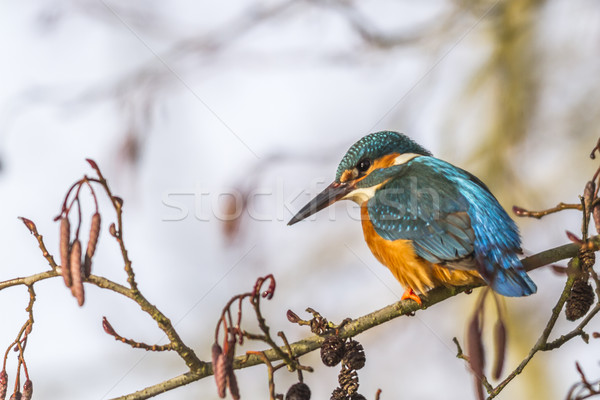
x=220, y=372
x=65, y=233
x=233, y=385
x=500, y=348
x=596, y=215
x=476, y=354
x=92, y=243
x=27, y=390
x=16, y=395
x=77, y=282
x=3, y=384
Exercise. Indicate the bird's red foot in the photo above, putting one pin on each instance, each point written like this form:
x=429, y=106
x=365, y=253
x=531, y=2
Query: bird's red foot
x=410, y=294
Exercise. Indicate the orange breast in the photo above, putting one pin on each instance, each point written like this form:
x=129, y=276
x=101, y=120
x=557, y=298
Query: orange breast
x=409, y=269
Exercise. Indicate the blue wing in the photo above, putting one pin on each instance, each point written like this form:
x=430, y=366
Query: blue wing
x=428, y=210
x=452, y=219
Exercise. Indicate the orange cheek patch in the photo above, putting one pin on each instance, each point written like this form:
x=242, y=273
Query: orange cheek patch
x=347, y=175
x=383, y=162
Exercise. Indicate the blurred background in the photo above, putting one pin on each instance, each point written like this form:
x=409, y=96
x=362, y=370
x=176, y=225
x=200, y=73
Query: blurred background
x=216, y=121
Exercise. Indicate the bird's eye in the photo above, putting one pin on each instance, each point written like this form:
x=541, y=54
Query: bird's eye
x=363, y=165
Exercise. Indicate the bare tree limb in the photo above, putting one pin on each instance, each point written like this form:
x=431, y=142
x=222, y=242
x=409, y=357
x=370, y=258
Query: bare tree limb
x=361, y=324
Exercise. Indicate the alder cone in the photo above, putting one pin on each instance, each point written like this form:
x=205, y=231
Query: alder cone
x=332, y=350
x=338, y=394
x=354, y=356
x=298, y=391
x=580, y=300
x=348, y=380
x=357, y=396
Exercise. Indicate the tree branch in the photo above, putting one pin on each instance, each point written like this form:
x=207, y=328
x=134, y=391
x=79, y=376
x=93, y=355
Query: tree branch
x=360, y=324
x=29, y=280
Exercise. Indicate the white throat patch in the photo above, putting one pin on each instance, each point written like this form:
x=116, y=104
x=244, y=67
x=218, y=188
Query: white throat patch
x=360, y=195
x=404, y=158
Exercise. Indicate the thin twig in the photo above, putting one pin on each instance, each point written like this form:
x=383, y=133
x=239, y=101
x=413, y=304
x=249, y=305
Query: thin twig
x=186, y=353
x=136, y=345
x=459, y=351
x=40, y=239
x=577, y=331
x=521, y=212
x=117, y=203
x=270, y=371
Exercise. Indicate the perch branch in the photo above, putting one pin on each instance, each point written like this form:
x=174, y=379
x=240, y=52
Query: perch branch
x=359, y=325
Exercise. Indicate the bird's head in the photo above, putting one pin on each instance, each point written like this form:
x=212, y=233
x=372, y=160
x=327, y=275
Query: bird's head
x=364, y=168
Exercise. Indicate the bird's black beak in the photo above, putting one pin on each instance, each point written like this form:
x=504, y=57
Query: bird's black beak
x=330, y=195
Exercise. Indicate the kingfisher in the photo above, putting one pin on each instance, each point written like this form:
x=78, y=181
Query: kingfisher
x=431, y=223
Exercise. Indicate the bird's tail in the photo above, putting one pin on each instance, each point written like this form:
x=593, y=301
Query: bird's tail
x=505, y=274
